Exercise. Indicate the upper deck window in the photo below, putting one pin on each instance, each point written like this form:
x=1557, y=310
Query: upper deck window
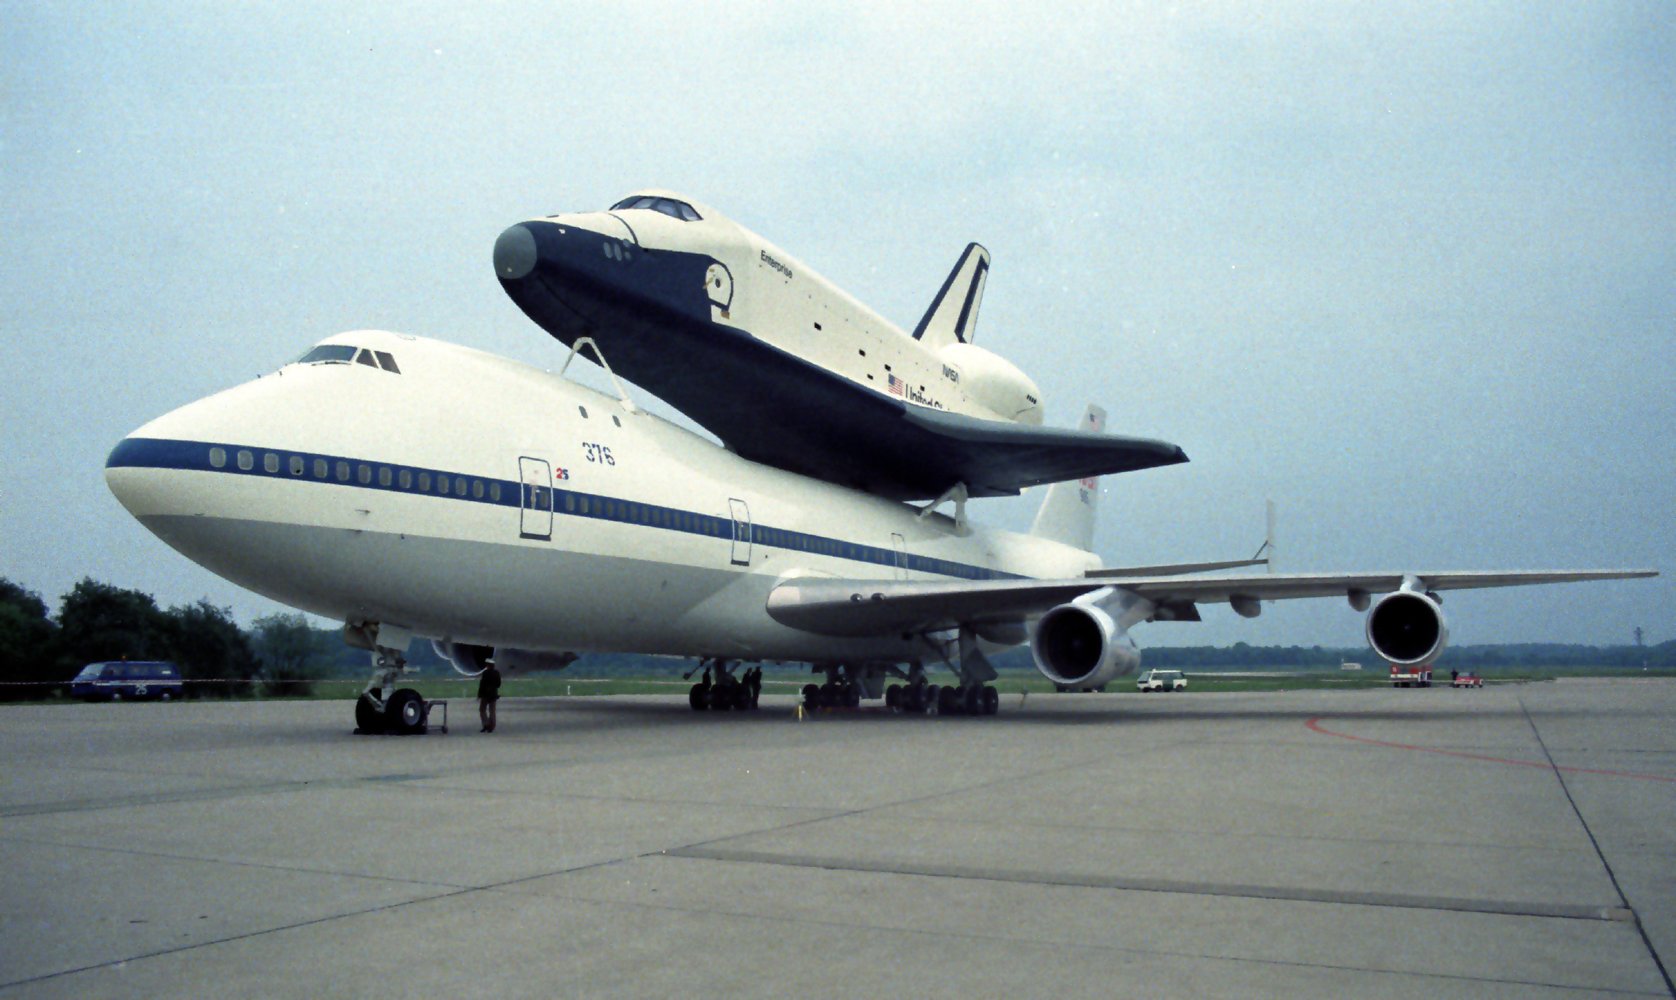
x=668, y=206
x=339, y=354
x=344, y=354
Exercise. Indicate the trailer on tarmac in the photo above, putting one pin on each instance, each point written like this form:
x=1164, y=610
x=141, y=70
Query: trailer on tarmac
x=1410, y=675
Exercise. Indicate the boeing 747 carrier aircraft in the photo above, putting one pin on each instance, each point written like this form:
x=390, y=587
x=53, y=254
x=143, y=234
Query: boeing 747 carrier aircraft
x=408, y=487
x=734, y=331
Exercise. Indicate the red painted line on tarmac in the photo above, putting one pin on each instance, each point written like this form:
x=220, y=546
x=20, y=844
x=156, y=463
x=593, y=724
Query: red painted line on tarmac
x=1316, y=726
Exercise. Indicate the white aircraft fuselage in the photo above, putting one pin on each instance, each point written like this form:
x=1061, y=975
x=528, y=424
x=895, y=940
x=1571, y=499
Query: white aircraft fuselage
x=471, y=499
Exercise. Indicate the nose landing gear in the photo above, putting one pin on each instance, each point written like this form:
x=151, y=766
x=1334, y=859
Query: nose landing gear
x=404, y=711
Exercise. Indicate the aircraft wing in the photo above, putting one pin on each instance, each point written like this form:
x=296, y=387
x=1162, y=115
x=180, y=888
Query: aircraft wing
x=867, y=607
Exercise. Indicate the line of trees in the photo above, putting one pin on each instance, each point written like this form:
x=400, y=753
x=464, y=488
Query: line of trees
x=39, y=652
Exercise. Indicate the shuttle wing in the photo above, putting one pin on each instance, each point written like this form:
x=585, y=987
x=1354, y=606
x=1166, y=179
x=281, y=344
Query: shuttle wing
x=863, y=607
x=773, y=407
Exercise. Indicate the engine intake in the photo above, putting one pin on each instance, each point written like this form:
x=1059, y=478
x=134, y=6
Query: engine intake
x=1407, y=628
x=1080, y=646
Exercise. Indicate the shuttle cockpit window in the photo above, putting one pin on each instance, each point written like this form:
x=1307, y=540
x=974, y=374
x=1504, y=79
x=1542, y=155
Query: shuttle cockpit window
x=668, y=206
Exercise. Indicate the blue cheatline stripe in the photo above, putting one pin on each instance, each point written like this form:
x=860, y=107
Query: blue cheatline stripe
x=441, y=484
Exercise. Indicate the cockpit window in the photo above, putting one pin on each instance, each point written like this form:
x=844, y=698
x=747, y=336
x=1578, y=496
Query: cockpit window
x=340, y=354
x=344, y=354
x=668, y=206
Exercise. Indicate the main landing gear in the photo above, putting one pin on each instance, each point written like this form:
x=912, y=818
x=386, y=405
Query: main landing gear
x=726, y=692
x=847, y=686
x=919, y=698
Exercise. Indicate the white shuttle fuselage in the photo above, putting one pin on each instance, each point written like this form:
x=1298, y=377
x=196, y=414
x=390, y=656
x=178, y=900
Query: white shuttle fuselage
x=788, y=369
x=760, y=290
x=470, y=499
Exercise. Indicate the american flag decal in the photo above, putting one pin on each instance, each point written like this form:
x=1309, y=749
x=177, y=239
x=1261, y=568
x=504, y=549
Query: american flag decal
x=896, y=386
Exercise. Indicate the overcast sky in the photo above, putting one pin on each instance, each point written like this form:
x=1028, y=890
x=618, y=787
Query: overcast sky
x=1409, y=270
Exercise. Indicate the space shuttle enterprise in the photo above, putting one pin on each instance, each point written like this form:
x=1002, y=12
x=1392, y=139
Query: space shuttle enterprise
x=737, y=334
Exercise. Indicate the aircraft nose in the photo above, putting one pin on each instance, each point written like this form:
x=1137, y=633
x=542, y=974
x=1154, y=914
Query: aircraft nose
x=140, y=472
x=515, y=253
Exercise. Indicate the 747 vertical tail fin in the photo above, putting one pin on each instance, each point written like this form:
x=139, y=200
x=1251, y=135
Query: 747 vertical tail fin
x=1067, y=512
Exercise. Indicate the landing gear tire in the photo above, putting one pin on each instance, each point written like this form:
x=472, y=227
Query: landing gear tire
x=933, y=699
x=990, y=700
x=893, y=697
x=698, y=699
x=369, y=718
x=811, y=696
x=404, y=713
x=948, y=701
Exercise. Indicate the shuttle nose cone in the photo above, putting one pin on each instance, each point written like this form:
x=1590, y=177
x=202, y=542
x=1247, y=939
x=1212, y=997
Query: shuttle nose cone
x=515, y=254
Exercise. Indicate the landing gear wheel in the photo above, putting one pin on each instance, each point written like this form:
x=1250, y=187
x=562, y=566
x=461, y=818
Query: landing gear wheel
x=697, y=698
x=893, y=697
x=990, y=699
x=811, y=696
x=852, y=695
x=948, y=701
x=971, y=701
x=369, y=718
x=933, y=699
x=404, y=713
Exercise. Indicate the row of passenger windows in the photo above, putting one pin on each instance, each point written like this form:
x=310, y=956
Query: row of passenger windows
x=540, y=498
x=343, y=471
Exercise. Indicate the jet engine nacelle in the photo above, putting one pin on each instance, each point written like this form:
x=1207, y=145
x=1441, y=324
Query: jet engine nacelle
x=472, y=660
x=1080, y=646
x=463, y=657
x=995, y=383
x=1407, y=628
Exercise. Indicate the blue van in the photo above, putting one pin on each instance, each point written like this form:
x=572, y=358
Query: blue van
x=124, y=680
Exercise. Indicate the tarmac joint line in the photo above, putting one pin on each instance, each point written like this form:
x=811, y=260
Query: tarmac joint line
x=1517, y=908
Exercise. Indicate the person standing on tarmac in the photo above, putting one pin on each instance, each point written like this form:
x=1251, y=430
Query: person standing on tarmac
x=488, y=692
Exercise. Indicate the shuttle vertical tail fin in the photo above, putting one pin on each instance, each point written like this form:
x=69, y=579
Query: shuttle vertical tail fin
x=953, y=316
x=1067, y=512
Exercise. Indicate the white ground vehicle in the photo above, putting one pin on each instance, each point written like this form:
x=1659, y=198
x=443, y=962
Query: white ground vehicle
x=1161, y=680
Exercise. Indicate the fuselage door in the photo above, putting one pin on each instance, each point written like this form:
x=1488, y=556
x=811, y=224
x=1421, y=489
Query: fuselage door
x=741, y=531
x=900, y=544
x=535, y=519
